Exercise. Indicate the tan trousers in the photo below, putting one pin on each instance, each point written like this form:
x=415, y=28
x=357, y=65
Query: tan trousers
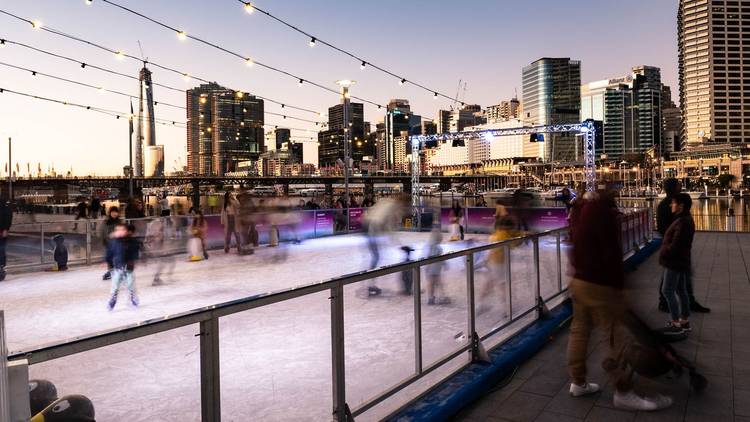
x=595, y=306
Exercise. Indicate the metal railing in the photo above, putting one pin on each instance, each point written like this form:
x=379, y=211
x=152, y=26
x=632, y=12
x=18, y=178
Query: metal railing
x=722, y=223
x=519, y=263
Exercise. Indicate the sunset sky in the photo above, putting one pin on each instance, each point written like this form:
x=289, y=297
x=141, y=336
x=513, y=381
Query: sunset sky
x=435, y=43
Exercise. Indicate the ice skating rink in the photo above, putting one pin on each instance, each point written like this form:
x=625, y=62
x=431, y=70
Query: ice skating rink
x=275, y=360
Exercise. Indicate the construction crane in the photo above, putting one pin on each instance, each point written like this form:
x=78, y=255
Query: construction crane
x=586, y=128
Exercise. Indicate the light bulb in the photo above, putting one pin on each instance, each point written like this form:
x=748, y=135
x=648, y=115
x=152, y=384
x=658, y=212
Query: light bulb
x=402, y=81
x=301, y=81
x=182, y=35
x=362, y=66
x=36, y=24
x=186, y=77
x=2, y=43
x=119, y=55
x=312, y=42
x=249, y=62
x=101, y=90
x=83, y=65
x=435, y=96
x=249, y=8
x=88, y=2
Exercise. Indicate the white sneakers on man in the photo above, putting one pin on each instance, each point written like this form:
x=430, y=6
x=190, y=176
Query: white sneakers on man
x=631, y=401
x=583, y=390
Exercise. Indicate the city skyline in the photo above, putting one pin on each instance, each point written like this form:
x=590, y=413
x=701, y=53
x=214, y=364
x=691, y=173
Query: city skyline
x=94, y=143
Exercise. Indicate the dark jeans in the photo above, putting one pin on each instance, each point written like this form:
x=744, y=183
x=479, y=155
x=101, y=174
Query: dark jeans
x=3, y=244
x=674, y=286
x=688, y=285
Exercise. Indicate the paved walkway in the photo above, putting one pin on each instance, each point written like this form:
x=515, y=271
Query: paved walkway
x=719, y=344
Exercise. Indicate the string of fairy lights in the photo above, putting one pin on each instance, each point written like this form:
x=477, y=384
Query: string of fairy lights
x=101, y=89
x=363, y=63
x=120, y=55
x=182, y=35
x=113, y=113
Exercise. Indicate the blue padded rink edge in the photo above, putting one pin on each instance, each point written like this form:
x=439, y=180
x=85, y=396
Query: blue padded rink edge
x=462, y=389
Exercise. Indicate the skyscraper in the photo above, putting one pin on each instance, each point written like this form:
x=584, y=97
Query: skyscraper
x=714, y=70
x=225, y=127
x=396, y=121
x=552, y=94
x=331, y=141
x=145, y=133
x=281, y=136
x=443, y=121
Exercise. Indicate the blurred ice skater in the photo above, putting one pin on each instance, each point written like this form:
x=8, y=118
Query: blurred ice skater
x=435, y=290
x=154, y=244
x=381, y=219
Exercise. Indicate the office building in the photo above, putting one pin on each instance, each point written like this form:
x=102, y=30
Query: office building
x=428, y=127
x=671, y=126
x=145, y=132
x=224, y=128
x=153, y=161
x=443, y=121
x=331, y=141
x=506, y=110
x=714, y=70
x=551, y=95
x=397, y=116
x=630, y=110
x=281, y=136
x=295, y=150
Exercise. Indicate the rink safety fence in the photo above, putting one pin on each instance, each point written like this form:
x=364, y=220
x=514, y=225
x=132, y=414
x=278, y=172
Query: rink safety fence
x=31, y=246
x=636, y=227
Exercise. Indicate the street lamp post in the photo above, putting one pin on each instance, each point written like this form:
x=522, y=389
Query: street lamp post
x=345, y=84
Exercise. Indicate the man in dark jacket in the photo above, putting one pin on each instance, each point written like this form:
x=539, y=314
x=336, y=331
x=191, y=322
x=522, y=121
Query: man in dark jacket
x=664, y=218
x=6, y=219
x=675, y=257
x=112, y=220
x=597, y=296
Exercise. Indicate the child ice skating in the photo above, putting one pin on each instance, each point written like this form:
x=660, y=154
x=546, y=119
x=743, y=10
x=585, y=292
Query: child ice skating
x=122, y=252
x=61, y=252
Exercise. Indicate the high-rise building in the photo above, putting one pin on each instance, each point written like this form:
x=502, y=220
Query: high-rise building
x=225, y=127
x=153, y=163
x=551, y=95
x=671, y=122
x=428, y=127
x=296, y=151
x=714, y=67
x=506, y=110
x=281, y=136
x=443, y=121
x=145, y=133
x=397, y=115
x=331, y=141
x=647, y=89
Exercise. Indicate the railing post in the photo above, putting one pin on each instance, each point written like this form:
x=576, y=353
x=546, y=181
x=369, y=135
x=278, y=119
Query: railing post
x=509, y=281
x=209, y=361
x=41, y=243
x=338, y=366
x=472, y=337
x=417, y=291
x=559, y=264
x=537, y=276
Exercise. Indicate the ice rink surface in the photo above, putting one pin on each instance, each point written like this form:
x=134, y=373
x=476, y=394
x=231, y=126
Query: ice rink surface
x=275, y=360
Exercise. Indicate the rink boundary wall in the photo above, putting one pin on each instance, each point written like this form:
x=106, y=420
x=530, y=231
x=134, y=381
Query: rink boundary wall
x=449, y=397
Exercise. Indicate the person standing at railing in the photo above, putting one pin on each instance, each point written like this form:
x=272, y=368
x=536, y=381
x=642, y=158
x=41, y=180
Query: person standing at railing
x=229, y=219
x=664, y=218
x=596, y=291
x=435, y=290
x=504, y=229
x=674, y=256
x=457, y=216
x=81, y=212
x=112, y=220
x=6, y=219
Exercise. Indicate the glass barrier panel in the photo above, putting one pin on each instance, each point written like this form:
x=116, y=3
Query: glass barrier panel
x=548, y=267
x=147, y=379
x=491, y=289
x=24, y=246
x=379, y=335
x=276, y=361
x=65, y=236
x=444, y=309
x=523, y=277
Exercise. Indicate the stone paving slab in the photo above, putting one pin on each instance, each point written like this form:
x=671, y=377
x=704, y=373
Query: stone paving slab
x=719, y=345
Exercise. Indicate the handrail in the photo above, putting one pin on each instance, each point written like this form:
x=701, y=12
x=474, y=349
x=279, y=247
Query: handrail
x=131, y=331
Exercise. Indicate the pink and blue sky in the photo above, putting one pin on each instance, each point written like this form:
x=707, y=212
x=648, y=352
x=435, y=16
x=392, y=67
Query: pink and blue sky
x=436, y=43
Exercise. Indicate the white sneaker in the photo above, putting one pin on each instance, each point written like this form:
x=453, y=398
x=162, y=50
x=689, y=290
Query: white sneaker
x=583, y=390
x=632, y=401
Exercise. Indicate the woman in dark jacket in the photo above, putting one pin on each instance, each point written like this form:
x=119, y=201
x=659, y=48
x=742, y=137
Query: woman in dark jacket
x=674, y=256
